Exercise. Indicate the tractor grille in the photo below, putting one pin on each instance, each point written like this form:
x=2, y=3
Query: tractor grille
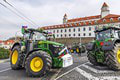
x=55, y=50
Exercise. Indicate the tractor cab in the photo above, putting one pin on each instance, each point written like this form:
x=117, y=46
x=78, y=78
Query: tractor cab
x=107, y=33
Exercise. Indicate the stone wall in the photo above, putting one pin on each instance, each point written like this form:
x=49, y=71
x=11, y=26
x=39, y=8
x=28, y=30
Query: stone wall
x=71, y=41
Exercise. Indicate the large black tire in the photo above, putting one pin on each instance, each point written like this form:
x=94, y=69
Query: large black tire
x=92, y=59
x=111, y=58
x=47, y=63
x=18, y=64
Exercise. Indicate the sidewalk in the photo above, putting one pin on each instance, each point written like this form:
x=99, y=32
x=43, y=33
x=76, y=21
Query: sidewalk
x=4, y=60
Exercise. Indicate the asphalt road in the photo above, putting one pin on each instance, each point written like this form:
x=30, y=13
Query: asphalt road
x=7, y=74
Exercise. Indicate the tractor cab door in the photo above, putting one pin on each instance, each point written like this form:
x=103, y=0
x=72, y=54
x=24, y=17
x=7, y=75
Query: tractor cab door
x=28, y=42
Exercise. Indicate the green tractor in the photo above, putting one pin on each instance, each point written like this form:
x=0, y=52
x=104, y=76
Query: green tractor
x=78, y=48
x=38, y=55
x=105, y=49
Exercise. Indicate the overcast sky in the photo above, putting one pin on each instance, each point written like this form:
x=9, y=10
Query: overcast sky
x=48, y=12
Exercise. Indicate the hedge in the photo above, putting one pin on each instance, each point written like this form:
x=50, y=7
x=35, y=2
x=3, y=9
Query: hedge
x=4, y=53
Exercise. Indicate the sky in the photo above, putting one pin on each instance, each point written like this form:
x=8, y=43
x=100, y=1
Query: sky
x=47, y=12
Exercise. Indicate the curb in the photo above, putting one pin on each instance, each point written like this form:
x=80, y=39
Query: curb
x=5, y=60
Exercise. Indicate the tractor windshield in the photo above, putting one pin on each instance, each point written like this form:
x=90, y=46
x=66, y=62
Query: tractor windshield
x=38, y=36
x=103, y=35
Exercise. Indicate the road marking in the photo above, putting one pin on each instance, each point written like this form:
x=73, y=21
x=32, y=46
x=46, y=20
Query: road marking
x=5, y=70
x=53, y=77
x=96, y=70
x=69, y=71
x=87, y=75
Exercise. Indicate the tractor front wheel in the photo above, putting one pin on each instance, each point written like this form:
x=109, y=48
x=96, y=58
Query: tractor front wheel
x=38, y=63
x=15, y=59
x=113, y=58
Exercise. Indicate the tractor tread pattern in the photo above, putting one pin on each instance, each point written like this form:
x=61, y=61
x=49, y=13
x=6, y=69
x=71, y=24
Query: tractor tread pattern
x=92, y=59
x=47, y=67
x=111, y=59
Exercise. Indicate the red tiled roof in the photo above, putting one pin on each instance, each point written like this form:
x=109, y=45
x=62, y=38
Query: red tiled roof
x=9, y=42
x=111, y=16
x=86, y=23
x=84, y=18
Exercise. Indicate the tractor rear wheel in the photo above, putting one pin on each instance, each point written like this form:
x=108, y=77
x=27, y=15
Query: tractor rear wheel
x=113, y=58
x=38, y=63
x=92, y=58
x=15, y=59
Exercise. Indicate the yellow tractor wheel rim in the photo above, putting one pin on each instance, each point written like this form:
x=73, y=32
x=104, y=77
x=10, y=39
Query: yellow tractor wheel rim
x=118, y=55
x=71, y=51
x=36, y=64
x=14, y=57
x=77, y=50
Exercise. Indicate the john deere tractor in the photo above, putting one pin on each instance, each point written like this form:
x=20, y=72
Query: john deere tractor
x=38, y=55
x=105, y=49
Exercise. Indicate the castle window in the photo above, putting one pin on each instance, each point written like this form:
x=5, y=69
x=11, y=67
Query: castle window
x=79, y=34
x=74, y=30
x=79, y=24
x=61, y=35
x=90, y=22
x=95, y=21
x=65, y=35
x=84, y=29
x=73, y=34
x=54, y=31
x=89, y=34
x=104, y=20
x=89, y=28
x=57, y=31
x=69, y=30
x=57, y=35
x=61, y=30
x=111, y=19
x=78, y=29
x=84, y=34
x=84, y=23
x=119, y=18
x=69, y=34
x=65, y=30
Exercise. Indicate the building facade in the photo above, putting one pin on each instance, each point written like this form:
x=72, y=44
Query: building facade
x=82, y=29
x=6, y=44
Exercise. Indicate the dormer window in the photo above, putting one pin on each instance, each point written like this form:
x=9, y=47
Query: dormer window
x=84, y=23
x=104, y=20
x=95, y=22
x=111, y=19
x=90, y=22
x=119, y=18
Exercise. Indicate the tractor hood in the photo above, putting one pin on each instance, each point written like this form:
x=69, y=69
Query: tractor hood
x=51, y=42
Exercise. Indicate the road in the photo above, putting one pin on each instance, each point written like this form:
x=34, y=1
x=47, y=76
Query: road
x=82, y=69
x=7, y=74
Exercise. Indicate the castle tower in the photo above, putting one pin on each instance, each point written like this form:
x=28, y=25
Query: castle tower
x=105, y=10
x=65, y=19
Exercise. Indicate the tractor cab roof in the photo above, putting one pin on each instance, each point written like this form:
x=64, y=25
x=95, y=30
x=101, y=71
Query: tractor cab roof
x=106, y=28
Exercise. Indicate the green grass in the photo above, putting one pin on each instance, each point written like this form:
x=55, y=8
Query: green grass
x=4, y=53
